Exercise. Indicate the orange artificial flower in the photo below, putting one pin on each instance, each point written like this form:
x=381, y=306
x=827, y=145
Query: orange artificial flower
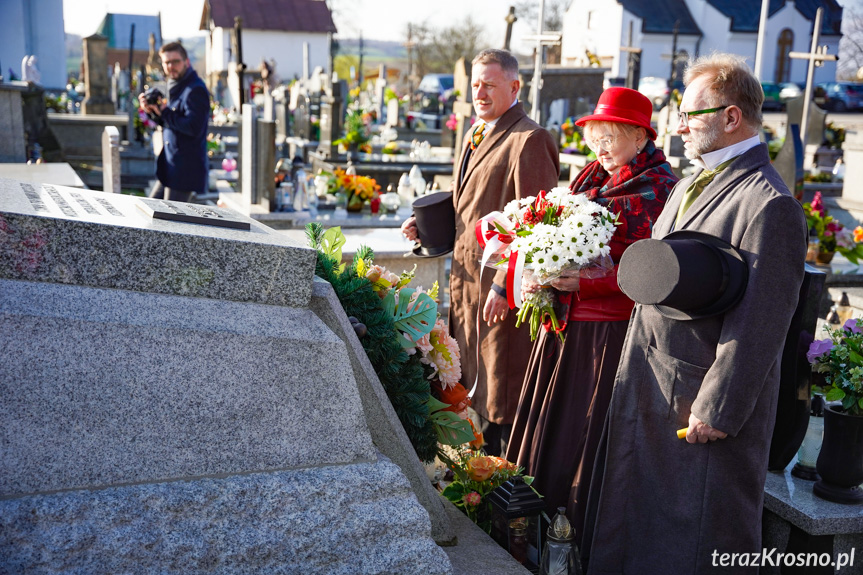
x=478, y=440
x=481, y=468
x=858, y=234
x=503, y=464
x=456, y=396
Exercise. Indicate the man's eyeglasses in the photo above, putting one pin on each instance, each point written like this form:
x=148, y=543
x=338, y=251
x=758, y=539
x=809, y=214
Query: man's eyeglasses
x=605, y=143
x=683, y=117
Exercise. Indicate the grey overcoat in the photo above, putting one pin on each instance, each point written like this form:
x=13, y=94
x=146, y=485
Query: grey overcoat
x=517, y=159
x=666, y=505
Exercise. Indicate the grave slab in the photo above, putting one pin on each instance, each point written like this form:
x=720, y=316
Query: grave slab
x=82, y=237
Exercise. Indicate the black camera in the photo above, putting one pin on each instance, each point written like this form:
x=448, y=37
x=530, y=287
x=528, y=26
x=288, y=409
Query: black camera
x=153, y=96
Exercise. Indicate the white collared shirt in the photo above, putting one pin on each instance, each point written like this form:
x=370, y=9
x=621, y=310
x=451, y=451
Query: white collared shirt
x=491, y=123
x=711, y=160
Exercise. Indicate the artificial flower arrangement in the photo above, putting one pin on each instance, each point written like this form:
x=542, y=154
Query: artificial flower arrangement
x=572, y=140
x=358, y=189
x=407, y=343
x=475, y=476
x=143, y=123
x=549, y=235
x=356, y=129
x=832, y=235
x=840, y=359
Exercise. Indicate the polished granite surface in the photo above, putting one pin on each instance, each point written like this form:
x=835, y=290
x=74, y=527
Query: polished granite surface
x=792, y=499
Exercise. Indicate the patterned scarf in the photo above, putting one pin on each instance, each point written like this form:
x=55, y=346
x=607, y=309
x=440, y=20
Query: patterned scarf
x=631, y=191
x=637, y=192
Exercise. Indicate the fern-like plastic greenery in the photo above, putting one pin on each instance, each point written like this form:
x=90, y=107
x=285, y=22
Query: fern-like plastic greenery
x=400, y=374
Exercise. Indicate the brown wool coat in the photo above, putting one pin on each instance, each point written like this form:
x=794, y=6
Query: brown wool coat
x=517, y=158
x=665, y=504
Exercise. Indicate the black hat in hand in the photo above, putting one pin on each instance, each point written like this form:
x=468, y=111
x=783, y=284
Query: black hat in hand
x=686, y=275
x=435, y=216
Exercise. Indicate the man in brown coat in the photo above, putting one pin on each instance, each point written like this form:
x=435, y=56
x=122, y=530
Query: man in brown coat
x=670, y=505
x=505, y=156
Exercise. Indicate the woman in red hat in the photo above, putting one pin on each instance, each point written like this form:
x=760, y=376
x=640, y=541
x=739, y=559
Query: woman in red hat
x=567, y=388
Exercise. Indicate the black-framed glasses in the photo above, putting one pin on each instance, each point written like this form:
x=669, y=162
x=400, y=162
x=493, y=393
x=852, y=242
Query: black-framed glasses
x=683, y=117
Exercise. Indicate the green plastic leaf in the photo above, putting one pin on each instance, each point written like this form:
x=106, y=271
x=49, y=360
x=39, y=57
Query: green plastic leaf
x=855, y=357
x=435, y=404
x=834, y=394
x=332, y=242
x=420, y=319
x=455, y=492
x=451, y=429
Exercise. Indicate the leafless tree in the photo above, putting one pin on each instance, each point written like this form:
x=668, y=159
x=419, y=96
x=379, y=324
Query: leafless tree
x=851, y=46
x=526, y=11
x=437, y=50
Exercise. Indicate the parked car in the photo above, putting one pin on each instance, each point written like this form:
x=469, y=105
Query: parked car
x=789, y=91
x=772, y=98
x=433, y=98
x=618, y=82
x=657, y=91
x=841, y=96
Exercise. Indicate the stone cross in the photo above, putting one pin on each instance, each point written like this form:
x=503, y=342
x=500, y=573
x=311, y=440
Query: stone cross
x=380, y=91
x=510, y=20
x=111, y=160
x=98, y=96
x=816, y=56
x=633, y=66
x=237, y=39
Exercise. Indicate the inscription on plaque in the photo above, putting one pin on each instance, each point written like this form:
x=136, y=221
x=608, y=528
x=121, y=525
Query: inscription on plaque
x=61, y=202
x=109, y=207
x=35, y=199
x=47, y=199
x=88, y=207
x=192, y=213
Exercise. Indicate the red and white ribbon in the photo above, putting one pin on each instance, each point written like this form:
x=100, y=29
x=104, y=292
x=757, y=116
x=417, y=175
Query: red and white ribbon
x=497, y=243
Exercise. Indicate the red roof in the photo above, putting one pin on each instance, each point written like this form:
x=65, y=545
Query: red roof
x=281, y=15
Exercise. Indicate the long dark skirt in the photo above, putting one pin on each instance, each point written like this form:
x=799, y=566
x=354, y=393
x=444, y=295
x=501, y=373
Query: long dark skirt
x=562, y=409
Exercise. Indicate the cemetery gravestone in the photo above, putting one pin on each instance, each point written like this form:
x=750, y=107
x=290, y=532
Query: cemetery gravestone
x=145, y=438
x=462, y=108
x=13, y=146
x=97, y=99
x=789, y=161
x=111, y=160
x=853, y=150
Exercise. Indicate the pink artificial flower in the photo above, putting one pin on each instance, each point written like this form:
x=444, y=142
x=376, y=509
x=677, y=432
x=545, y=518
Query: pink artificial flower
x=452, y=122
x=817, y=204
x=473, y=499
x=853, y=326
x=818, y=348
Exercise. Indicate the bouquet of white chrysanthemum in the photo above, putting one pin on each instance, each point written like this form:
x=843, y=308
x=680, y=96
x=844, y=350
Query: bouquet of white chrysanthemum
x=550, y=234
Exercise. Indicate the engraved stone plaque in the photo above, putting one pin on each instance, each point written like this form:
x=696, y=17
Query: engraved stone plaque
x=192, y=213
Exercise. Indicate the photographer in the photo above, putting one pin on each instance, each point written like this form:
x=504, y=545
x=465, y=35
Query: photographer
x=182, y=166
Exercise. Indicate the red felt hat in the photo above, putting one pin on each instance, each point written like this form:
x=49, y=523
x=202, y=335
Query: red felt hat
x=622, y=105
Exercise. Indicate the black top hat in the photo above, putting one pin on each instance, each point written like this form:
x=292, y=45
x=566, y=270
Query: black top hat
x=435, y=216
x=686, y=275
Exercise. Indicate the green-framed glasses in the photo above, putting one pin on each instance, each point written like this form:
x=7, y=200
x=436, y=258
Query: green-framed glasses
x=683, y=117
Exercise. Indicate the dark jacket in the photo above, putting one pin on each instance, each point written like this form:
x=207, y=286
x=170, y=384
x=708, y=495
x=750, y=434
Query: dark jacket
x=182, y=164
